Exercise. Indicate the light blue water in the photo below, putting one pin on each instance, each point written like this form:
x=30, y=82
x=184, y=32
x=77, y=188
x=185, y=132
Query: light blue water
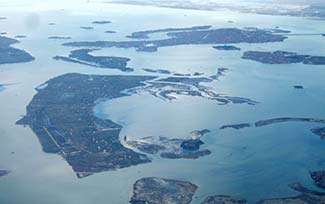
x=252, y=163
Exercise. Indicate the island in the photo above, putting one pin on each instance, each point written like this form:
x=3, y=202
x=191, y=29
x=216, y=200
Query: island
x=227, y=48
x=20, y=36
x=223, y=199
x=319, y=178
x=101, y=22
x=283, y=57
x=152, y=190
x=59, y=38
x=145, y=34
x=3, y=18
x=87, y=27
x=4, y=172
x=220, y=73
x=287, y=119
x=160, y=71
x=198, y=73
x=61, y=115
x=110, y=31
x=10, y=54
x=320, y=131
x=236, y=126
x=197, y=37
x=173, y=148
x=298, y=87
x=51, y=24
x=84, y=57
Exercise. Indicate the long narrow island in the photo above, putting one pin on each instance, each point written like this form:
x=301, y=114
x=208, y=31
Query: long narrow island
x=192, y=37
x=84, y=56
x=145, y=34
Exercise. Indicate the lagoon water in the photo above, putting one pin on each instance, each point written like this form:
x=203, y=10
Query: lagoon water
x=252, y=163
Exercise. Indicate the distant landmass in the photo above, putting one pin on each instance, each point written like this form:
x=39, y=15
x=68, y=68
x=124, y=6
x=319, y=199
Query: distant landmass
x=282, y=8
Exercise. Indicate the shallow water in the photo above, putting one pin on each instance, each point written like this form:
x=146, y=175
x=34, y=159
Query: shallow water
x=253, y=163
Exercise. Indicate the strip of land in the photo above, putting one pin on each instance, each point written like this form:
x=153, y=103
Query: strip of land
x=283, y=57
x=197, y=37
x=84, y=57
x=10, y=54
x=145, y=34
